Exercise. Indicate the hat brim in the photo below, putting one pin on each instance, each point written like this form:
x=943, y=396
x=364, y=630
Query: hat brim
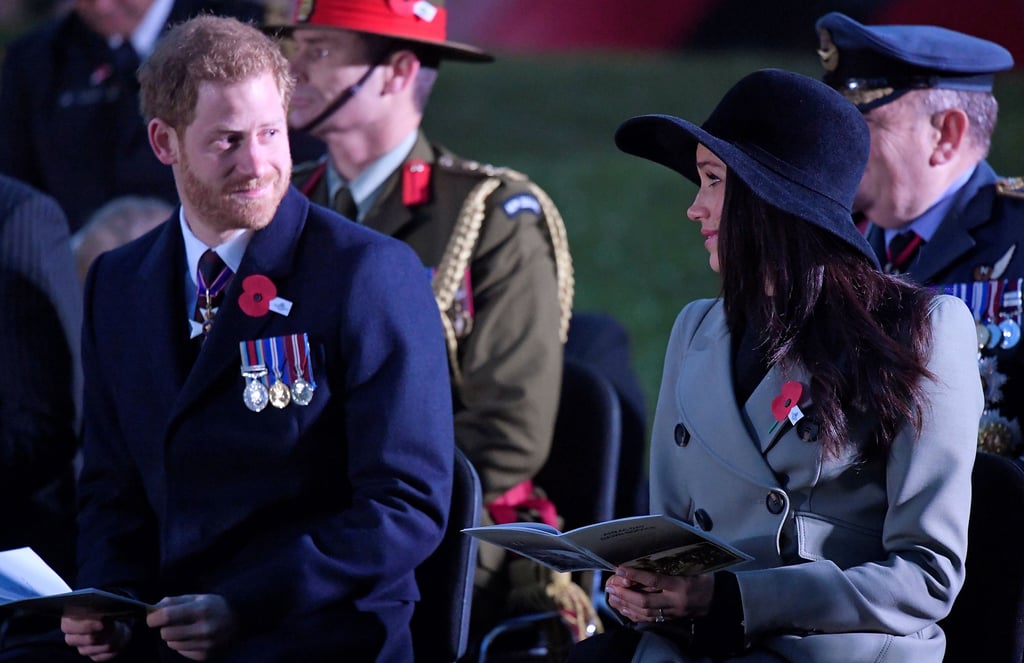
x=447, y=50
x=672, y=142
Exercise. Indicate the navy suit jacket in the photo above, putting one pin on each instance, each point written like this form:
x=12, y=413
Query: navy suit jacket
x=40, y=392
x=309, y=520
x=982, y=228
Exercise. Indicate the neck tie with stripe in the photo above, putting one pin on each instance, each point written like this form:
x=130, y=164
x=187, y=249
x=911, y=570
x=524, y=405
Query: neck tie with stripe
x=212, y=277
x=901, y=251
x=344, y=204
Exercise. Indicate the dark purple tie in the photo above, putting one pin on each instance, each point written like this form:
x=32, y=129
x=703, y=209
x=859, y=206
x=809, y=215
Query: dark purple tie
x=212, y=277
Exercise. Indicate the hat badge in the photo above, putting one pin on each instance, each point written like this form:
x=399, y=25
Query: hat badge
x=303, y=10
x=828, y=51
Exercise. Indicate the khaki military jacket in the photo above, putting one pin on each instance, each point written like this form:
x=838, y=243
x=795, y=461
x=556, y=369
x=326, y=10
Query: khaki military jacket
x=509, y=351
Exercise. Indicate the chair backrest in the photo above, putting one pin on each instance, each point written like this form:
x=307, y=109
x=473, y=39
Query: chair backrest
x=440, y=624
x=601, y=342
x=580, y=475
x=987, y=620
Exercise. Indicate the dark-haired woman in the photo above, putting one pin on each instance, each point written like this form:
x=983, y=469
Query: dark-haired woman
x=819, y=415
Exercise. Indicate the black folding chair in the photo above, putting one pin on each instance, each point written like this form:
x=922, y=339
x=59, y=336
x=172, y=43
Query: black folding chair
x=987, y=620
x=580, y=478
x=440, y=624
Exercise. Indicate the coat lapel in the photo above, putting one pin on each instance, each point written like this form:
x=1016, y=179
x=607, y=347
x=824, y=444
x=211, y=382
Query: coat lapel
x=706, y=397
x=765, y=428
x=271, y=252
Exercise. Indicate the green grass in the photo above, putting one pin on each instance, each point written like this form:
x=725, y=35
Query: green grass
x=636, y=255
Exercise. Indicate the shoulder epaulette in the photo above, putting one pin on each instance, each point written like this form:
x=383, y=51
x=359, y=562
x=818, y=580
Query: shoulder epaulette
x=477, y=169
x=1010, y=186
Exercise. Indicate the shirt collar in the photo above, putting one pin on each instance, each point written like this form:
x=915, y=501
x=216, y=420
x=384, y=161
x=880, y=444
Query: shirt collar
x=231, y=251
x=149, y=29
x=366, y=186
x=926, y=224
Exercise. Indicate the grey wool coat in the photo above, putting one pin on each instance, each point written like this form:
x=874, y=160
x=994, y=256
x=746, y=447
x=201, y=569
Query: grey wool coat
x=854, y=560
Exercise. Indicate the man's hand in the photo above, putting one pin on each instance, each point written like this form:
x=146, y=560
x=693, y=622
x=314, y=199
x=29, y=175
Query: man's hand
x=643, y=596
x=193, y=625
x=99, y=639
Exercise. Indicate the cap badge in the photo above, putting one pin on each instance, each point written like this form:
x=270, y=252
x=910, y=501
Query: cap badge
x=303, y=10
x=420, y=8
x=828, y=52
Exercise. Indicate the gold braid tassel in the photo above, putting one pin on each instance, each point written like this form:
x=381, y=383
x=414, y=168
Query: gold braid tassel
x=459, y=251
x=536, y=588
x=455, y=259
x=563, y=259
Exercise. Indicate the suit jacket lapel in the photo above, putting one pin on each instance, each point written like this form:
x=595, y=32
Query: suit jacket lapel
x=271, y=252
x=954, y=238
x=159, y=287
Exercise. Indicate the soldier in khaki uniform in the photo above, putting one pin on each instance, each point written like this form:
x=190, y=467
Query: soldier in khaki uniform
x=491, y=241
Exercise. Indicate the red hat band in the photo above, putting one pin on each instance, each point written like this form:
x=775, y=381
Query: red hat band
x=418, y=20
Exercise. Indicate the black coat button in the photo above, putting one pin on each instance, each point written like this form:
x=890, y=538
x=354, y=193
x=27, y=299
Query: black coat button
x=703, y=520
x=682, y=435
x=807, y=429
x=775, y=503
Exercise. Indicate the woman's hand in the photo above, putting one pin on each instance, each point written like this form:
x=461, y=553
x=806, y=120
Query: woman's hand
x=643, y=596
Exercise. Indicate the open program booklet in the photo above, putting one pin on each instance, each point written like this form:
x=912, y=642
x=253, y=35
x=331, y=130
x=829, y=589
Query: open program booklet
x=656, y=543
x=29, y=585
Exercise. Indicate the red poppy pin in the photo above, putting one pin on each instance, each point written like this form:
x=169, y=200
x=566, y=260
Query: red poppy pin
x=786, y=404
x=257, y=293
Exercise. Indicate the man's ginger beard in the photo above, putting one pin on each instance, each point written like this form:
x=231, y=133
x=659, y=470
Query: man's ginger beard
x=221, y=210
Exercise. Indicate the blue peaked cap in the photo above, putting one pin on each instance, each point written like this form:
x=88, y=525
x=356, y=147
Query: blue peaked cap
x=873, y=65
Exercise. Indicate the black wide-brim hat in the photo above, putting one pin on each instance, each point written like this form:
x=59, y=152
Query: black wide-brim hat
x=798, y=144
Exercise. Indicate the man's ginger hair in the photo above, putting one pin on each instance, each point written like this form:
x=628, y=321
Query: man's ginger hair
x=206, y=49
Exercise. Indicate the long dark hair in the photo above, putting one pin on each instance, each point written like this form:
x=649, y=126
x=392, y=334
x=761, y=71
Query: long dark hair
x=815, y=301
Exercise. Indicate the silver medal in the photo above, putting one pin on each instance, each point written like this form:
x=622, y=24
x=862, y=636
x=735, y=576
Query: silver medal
x=1010, y=335
x=255, y=395
x=983, y=335
x=302, y=392
x=995, y=335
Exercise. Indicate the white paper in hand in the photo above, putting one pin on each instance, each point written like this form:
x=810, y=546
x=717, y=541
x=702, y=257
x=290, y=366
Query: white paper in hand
x=24, y=574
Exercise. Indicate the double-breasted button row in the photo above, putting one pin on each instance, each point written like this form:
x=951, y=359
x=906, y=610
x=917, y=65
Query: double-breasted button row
x=703, y=520
x=775, y=502
x=682, y=435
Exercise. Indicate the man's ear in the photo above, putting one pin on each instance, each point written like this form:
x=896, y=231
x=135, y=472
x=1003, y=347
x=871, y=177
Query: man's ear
x=164, y=141
x=403, y=68
x=951, y=126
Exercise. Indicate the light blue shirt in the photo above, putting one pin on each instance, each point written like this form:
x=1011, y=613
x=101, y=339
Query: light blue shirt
x=366, y=186
x=926, y=224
